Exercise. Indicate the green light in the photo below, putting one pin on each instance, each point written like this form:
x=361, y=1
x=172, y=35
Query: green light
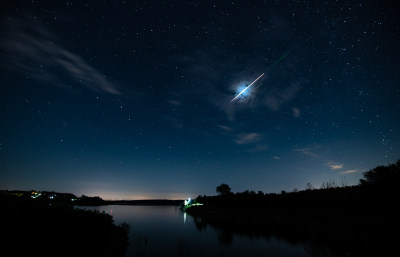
x=189, y=203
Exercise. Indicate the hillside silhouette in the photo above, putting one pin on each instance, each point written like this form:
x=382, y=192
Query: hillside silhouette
x=47, y=224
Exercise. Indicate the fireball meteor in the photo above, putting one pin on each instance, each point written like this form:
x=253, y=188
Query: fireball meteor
x=273, y=65
x=247, y=87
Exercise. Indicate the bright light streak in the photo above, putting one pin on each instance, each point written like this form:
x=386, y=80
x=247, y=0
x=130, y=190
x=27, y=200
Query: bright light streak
x=273, y=65
x=247, y=87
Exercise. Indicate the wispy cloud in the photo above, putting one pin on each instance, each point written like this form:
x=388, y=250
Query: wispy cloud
x=349, y=171
x=176, y=123
x=279, y=97
x=174, y=102
x=258, y=148
x=306, y=152
x=247, y=138
x=335, y=165
x=32, y=50
x=225, y=128
x=296, y=112
x=276, y=157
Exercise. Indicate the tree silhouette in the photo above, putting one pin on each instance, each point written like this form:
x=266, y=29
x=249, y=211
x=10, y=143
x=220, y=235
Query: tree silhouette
x=309, y=186
x=223, y=189
x=383, y=176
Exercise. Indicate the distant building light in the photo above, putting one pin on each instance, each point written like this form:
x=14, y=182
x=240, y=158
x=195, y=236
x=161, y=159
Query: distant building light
x=36, y=195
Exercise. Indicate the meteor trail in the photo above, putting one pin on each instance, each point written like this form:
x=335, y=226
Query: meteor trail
x=247, y=87
x=283, y=57
x=275, y=63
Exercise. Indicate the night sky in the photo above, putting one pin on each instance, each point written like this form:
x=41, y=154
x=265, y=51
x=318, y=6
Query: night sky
x=132, y=99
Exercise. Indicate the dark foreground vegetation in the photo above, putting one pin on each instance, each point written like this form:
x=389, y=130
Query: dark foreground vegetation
x=34, y=224
x=361, y=220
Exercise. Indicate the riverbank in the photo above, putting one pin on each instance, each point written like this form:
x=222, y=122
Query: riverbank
x=350, y=221
x=361, y=220
x=34, y=227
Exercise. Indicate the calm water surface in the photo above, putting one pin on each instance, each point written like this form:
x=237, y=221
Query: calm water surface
x=166, y=231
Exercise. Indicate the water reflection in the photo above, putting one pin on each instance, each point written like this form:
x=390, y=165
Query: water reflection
x=159, y=231
x=226, y=234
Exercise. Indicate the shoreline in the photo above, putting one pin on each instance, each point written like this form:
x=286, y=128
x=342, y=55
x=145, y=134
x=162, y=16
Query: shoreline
x=131, y=203
x=35, y=227
x=349, y=221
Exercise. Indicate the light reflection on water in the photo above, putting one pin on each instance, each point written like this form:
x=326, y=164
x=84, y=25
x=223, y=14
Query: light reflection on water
x=166, y=231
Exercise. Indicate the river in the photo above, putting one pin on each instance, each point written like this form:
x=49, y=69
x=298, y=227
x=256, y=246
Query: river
x=167, y=231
